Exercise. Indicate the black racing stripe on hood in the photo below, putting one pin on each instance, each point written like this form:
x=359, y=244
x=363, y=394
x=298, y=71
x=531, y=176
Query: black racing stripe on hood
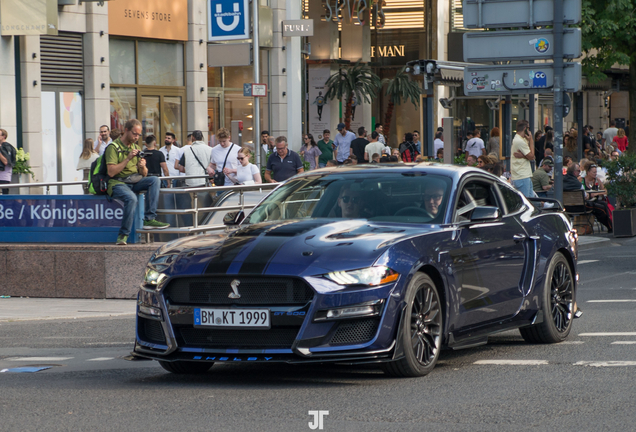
x=262, y=254
x=230, y=249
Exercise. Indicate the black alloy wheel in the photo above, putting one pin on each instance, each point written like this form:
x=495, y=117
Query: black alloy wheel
x=558, y=304
x=421, y=334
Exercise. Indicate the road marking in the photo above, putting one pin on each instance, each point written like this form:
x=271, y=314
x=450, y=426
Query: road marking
x=611, y=301
x=609, y=334
x=571, y=343
x=512, y=362
x=101, y=359
x=623, y=343
x=586, y=261
x=39, y=359
x=605, y=363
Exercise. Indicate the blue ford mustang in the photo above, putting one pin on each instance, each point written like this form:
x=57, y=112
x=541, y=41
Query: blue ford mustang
x=382, y=264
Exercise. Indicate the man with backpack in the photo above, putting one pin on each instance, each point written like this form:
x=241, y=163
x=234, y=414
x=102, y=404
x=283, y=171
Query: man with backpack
x=129, y=176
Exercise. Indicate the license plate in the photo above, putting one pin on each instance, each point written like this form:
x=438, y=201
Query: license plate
x=238, y=318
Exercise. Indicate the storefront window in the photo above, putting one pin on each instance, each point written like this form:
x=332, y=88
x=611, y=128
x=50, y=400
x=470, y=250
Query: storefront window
x=226, y=101
x=122, y=61
x=238, y=107
x=160, y=64
x=159, y=68
x=123, y=106
x=172, y=114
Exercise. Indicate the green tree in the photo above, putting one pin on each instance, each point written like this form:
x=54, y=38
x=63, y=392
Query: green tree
x=400, y=89
x=609, y=38
x=358, y=80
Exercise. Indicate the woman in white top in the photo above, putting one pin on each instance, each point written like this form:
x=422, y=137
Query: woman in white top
x=246, y=173
x=87, y=157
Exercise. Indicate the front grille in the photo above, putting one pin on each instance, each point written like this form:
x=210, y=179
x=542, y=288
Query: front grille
x=355, y=332
x=253, y=291
x=282, y=337
x=151, y=331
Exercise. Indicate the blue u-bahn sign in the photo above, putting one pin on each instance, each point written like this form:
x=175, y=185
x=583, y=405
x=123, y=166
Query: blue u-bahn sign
x=228, y=20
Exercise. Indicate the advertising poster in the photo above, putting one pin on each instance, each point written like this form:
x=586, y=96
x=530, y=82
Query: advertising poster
x=319, y=107
x=71, y=135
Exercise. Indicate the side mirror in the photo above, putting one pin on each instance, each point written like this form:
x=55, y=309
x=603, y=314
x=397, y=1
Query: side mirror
x=484, y=214
x=233, y=218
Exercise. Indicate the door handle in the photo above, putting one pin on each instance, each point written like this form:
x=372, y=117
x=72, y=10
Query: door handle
x=519, y=237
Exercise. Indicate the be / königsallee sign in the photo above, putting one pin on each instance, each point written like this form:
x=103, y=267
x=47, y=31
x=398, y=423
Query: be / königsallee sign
x=63, y=218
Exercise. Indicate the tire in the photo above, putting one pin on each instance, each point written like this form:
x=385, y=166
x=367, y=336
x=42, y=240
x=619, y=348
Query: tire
x=558, y=305
x=421, y=331
x=186, y=367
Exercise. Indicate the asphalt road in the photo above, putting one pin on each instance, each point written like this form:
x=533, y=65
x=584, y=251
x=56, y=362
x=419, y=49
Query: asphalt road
x=585, y=384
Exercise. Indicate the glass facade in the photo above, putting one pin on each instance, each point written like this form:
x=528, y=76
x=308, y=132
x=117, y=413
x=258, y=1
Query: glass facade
x=148, y=82
x=226, y=101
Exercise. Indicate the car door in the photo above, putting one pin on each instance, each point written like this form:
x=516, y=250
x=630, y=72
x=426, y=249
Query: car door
x=489, y=256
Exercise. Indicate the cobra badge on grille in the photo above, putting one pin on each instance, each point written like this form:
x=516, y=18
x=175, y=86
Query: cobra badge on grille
x=234, y=294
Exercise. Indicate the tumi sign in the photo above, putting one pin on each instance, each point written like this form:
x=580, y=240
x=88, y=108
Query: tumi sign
x=298, y=28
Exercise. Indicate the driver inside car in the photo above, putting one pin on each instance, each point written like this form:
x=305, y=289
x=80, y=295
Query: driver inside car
x=350, y=203
x=433, y=196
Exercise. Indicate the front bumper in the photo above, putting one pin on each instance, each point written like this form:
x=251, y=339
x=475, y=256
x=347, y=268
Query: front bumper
x=169, y=334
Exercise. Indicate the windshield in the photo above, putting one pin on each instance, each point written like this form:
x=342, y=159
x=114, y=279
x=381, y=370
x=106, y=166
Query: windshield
x=409, y=197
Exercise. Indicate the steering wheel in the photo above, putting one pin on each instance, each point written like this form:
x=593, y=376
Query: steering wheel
x=412, y=211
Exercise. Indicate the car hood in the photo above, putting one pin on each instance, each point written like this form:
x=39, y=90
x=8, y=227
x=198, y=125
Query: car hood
x=295, y=247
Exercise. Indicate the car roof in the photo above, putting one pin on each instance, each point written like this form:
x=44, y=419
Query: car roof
x=453, y=171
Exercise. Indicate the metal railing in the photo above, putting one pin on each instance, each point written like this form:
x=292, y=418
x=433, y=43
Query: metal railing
x=195, y=210
x=48, y=185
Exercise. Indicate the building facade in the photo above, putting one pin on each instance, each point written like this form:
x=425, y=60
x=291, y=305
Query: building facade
x=71, y=67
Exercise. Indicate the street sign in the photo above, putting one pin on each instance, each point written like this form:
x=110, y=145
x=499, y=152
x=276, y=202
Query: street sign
x=254, y=90
x=259, y=90
x=519, y=45
x=517, y=13
x=494, y=80
x=228, y=20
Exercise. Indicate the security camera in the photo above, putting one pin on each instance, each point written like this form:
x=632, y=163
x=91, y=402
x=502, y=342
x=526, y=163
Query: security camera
x=493, y=105
x=447, y=103
x=524, y=104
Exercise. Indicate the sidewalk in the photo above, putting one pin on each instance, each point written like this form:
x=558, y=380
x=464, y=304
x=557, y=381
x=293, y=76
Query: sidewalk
x=31, y=309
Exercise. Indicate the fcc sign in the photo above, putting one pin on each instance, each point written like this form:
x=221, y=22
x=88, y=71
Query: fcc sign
x=228, y=20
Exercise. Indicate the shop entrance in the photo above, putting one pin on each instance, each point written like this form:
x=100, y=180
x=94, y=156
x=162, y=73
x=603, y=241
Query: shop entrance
x=161, y=112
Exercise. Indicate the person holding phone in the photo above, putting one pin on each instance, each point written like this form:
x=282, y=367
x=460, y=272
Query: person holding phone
x=523, y=152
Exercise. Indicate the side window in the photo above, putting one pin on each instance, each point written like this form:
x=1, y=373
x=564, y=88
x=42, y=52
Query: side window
x=513, y=201
x=473, y=194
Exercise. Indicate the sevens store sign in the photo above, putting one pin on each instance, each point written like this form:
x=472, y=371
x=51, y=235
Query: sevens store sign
x=228, y=20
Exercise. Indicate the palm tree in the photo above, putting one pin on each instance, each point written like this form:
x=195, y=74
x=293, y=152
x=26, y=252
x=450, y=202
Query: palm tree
x=358, y=80
x=400, y=89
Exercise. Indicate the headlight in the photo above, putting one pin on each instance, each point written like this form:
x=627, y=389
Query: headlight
x=369, y=276
x=153, y=277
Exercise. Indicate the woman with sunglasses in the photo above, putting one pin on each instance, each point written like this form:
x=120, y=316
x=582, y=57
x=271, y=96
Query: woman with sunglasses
x=246, y=173
x=310, y=151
